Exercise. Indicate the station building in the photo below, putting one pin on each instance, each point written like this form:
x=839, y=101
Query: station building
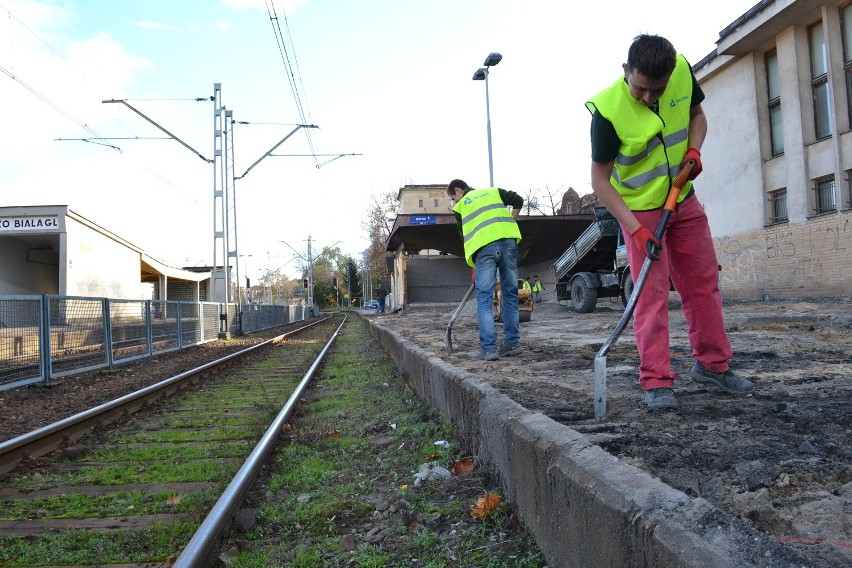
x=52, y=250
x=777, y=180
x=427, y=262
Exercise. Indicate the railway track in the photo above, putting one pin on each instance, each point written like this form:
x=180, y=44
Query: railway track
x=167, y=475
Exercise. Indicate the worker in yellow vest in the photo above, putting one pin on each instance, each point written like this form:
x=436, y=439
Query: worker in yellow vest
x=491, y=235
x=537, y=289
x=645, y=126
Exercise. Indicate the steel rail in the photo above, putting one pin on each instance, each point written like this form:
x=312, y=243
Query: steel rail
x=203, y=543
x=48, y=438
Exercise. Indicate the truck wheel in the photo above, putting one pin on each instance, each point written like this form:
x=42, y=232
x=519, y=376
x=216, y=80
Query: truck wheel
x=524, y=316
x=583, y=297
x=626, y=287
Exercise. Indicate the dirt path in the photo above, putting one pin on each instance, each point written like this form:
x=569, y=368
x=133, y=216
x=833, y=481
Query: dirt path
x=780, y=458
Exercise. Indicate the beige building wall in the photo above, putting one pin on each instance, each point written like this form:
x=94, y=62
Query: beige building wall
x=424, y=199
x=808, y=252
x=98, y=265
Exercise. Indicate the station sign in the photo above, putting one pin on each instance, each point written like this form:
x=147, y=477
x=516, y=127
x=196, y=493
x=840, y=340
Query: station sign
x=29, y=224
x=423, y=220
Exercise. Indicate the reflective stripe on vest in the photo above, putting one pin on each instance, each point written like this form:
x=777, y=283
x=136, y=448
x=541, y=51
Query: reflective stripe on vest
x=652, y=145
x=485, y=219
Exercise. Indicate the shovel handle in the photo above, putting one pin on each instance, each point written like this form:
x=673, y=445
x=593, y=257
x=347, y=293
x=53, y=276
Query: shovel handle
x=677, y=186
x=669, y=207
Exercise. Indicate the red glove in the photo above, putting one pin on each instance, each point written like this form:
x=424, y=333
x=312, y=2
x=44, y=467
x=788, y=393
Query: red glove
x=695, y=155
x=646, y=241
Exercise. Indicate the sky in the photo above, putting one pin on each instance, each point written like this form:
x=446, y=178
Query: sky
x=387, y=80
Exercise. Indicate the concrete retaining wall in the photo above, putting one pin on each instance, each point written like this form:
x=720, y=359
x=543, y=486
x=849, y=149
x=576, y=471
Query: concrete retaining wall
x=584, y=508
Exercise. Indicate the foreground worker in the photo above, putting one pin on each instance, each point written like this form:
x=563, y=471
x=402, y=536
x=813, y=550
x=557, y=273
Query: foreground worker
x=644, y=127
x=491, y=237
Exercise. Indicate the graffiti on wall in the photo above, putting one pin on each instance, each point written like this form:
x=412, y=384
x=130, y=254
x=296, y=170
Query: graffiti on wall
x=795, y=254
x=742, y=264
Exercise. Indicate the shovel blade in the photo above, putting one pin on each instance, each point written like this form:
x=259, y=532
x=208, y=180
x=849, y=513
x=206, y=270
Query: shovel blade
x=600, y=387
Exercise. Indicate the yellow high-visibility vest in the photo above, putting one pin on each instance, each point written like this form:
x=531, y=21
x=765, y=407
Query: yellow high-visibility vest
x=652, y=145
x=485, y=219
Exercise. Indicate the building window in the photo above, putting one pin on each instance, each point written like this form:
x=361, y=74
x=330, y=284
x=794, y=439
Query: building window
x=848, y=199
x=819, y=81
x=846, y=18
x=436, y=203
x=778, y=206
x=420, y=203
x=776, y=126
x=824, y=195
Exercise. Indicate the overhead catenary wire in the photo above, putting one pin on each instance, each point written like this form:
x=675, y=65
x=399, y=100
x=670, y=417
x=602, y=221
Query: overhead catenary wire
x=57, y=108
x=96, y=137
x=291, y=68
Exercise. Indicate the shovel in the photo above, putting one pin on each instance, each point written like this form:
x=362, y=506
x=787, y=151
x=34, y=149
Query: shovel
x=458, y=311
x=653, y=254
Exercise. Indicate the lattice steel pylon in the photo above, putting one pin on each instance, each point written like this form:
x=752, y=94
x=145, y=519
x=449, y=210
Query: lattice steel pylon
x=230, y=180
x=220, y=275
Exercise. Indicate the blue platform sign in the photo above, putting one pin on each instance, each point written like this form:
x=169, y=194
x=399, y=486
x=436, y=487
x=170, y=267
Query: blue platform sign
x=423, y=220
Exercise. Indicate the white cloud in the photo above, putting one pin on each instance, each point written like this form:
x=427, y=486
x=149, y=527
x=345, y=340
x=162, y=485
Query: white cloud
x=285, y=6
x=155, y=26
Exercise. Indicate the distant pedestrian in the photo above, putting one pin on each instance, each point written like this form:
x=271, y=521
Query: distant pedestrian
x=537, y=289
x=491, y=234
x=381, y=294
x=527, y=285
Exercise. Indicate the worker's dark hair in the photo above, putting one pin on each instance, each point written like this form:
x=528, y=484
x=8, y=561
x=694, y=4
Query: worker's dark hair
x=651, y=55
x=456, y=183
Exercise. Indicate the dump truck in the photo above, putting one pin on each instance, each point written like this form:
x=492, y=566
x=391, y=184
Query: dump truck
x=594, y=266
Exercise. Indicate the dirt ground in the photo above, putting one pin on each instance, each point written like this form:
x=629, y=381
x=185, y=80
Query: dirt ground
x=779, y=458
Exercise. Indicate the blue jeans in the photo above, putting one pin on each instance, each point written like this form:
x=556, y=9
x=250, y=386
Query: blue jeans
x=498, y=256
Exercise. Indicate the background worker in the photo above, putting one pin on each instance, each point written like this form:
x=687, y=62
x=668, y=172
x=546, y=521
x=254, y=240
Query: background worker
x=537, y=289
x=645, y=126
x=527, y=284
x=491, y=235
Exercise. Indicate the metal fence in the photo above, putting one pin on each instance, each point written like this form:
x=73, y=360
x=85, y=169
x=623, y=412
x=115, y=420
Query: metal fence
x=47, y=336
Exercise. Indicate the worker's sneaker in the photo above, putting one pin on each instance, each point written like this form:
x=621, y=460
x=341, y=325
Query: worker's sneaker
x=486, y=356
x=727, y=381
x=510, y=350
x=660, y=398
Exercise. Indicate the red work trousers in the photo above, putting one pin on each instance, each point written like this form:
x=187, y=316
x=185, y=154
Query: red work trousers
x=688, y=257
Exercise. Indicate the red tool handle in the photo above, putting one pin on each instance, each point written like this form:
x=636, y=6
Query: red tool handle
x=669, y=207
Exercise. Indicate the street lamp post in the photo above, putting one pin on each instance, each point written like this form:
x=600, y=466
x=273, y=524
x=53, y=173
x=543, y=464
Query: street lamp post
x=482, y=74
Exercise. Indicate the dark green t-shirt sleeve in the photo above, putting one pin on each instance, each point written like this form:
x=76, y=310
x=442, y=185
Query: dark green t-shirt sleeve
x=605, y=142
x=511, y=198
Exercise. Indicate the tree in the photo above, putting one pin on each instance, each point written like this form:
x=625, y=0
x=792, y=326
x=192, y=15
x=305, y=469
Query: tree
x=378, y=224
x=352, y=278
x=542, y=202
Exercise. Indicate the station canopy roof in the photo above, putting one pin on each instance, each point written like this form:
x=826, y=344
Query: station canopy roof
x=544, y=237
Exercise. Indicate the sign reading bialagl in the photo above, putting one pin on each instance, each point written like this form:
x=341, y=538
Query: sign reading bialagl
x=28, y=223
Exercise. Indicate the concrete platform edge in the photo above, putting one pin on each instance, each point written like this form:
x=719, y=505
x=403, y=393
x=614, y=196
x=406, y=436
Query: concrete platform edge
x=583, y=506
